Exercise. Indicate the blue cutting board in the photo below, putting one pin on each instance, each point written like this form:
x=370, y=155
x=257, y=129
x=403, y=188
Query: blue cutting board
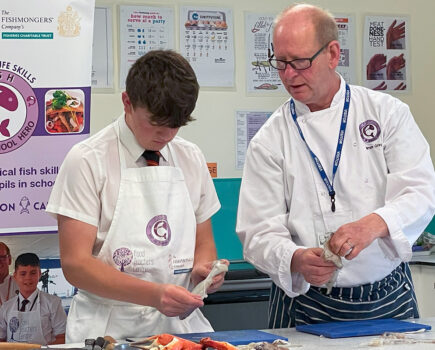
x=240, y=337
x=360, y=328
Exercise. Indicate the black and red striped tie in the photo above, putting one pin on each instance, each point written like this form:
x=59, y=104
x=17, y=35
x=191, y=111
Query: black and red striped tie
x=152, y=157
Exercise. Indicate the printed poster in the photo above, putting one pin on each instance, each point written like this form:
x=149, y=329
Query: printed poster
x=346, y=37
x=260, y=76
x=102, y=49
x=45, y=96
x=207, y=42
x=386, y=53
x=142, y=29
x=247, y=125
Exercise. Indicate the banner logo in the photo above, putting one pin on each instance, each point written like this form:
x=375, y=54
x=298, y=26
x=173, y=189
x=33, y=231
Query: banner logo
x=18, y=111
x=69, y=23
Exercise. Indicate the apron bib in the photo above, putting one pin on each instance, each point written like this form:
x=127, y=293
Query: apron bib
x=26, y=326
x=152, y=237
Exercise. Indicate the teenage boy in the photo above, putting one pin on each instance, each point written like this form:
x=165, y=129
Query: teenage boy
x=32, y=316
x=135, y=230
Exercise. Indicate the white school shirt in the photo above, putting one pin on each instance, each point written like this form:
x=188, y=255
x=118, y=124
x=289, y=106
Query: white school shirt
x=385, y=168
x=53, y=316
x=86, y=188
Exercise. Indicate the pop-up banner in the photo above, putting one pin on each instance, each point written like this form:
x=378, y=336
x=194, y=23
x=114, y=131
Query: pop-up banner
x=45, y=95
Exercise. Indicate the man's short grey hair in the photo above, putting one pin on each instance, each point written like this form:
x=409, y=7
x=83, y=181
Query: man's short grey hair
x=324, y=22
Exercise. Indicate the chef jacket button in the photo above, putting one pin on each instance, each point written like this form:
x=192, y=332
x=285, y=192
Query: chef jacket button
x=354, y=144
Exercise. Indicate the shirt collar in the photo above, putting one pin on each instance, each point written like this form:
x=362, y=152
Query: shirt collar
x=130, y=143
x=31, y=297
x=338, y=97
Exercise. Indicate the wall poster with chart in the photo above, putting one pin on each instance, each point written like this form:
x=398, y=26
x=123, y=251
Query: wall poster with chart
x=247, y=125
x=142, y=29
x=207, y=42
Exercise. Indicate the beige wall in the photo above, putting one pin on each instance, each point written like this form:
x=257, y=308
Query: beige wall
x=214, y=129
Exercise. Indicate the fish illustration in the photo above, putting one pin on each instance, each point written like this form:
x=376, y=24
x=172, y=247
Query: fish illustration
x=261, y=63
x=8, y=99
x=4, y=128
x=266, y=86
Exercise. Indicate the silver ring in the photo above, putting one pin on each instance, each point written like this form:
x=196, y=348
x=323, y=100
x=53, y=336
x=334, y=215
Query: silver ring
x=350, y=249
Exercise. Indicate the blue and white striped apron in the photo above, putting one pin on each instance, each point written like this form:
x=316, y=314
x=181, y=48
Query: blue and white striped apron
x=391, y=297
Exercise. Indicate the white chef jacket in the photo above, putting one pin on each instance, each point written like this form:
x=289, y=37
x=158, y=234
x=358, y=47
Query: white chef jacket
x=86, y=188
x=284, y=204
x=53, y=316
x=8, y=289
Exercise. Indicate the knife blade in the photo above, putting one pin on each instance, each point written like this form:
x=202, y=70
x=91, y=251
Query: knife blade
x=114, y=345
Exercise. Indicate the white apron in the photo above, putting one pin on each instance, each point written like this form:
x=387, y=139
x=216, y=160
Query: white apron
x=152, y=237
x=26, y=327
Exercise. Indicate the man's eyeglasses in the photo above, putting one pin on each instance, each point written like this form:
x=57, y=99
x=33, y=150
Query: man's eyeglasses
x=3, y=257
x=298, y=63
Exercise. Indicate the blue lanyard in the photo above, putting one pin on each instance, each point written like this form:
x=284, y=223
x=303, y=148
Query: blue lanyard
x=317, y=163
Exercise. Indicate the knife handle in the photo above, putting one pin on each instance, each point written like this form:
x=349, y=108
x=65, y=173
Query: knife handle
x=18, y=346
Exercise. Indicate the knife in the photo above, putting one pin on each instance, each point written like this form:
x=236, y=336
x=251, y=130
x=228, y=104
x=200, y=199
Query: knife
x=20, y=346
x=114, y=345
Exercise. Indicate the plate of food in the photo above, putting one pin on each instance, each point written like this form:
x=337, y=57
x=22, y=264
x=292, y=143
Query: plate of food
x=64, y=111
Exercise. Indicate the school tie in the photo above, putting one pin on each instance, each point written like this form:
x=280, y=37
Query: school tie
x=23, y=305
x=152, y=157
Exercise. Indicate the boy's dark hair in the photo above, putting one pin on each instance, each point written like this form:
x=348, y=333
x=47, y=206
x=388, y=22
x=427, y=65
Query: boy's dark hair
x=27, y=259
x=163, y=82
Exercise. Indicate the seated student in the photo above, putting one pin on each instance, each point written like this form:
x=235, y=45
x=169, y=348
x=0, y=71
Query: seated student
x=32, y=316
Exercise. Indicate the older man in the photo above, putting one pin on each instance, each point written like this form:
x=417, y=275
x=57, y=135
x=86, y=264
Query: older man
x=8, y=286
x=335, y=164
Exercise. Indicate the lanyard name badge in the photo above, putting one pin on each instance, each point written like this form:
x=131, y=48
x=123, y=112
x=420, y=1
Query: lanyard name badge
x=329, y=184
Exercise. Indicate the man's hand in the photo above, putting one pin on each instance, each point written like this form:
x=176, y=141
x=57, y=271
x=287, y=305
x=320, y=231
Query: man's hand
x=350, y=239
x=175, y=300
x=312, y=266
x=395, y=33
x=201, y=271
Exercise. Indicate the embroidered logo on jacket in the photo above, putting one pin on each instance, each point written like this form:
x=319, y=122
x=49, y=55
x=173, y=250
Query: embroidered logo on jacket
x=369, y=131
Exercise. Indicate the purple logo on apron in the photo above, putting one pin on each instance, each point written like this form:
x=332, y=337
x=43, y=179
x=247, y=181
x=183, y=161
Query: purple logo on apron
x=122, y=257
x=158, y=230
x=13, y=326
x=369, y=131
